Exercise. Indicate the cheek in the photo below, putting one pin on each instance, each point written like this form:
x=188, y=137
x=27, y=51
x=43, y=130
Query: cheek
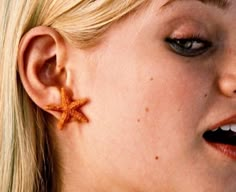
x=137, y=95
x=144, y=112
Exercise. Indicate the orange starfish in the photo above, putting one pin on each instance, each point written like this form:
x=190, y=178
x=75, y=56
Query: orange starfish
x=69, y=109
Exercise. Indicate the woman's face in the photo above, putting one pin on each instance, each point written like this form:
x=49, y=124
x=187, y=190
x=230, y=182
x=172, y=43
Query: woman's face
x=160, y=79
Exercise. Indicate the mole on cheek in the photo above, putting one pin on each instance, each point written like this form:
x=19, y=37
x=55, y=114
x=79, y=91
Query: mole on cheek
x=151, y=79
x=156, y=157
x=147, y=109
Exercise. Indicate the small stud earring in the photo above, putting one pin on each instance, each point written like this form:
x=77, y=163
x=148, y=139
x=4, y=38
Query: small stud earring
x=69, y=109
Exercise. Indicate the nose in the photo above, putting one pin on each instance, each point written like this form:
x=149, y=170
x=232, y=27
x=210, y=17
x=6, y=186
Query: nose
x=227, y=84
x=227, y=72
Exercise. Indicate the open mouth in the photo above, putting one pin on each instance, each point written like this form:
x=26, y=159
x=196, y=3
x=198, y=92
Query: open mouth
x=223, y=139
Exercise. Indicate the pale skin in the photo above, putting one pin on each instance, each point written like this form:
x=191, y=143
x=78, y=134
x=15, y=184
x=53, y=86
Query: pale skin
x=149, y=105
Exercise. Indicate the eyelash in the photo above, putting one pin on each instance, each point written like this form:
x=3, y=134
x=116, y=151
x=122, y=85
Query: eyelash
x=189, y=47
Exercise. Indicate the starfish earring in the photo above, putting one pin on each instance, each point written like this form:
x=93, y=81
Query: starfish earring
x=69, y=109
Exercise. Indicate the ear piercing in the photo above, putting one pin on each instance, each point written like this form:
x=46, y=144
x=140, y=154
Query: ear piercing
x=69, y=109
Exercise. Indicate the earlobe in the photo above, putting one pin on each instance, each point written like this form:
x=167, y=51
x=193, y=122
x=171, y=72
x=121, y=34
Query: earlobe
x=42, y=64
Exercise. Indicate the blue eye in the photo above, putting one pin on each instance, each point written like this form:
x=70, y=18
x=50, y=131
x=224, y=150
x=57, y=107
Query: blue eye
x=190, y=47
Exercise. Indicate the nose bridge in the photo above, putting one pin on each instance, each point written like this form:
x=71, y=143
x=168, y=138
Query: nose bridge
x=231, y=50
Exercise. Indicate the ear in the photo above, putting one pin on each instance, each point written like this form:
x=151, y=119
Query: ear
x=42, y=65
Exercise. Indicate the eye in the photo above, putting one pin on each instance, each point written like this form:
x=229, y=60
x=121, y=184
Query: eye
x=189, y=47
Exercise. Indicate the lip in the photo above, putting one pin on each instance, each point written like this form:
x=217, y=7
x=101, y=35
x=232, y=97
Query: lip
x=228, y=150
x=229, y=120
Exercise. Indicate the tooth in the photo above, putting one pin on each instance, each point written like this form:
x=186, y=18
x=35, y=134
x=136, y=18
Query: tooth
x=233, y=128
x=215, y=129
x=225, y=127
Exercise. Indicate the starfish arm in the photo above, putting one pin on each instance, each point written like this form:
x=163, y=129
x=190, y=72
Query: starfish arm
x=78, y=103
x=65, y=100
x=64, y=119
x=54, y=108
x=79, y=116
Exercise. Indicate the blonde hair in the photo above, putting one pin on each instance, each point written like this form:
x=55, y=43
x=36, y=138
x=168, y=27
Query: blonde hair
x=25, y=160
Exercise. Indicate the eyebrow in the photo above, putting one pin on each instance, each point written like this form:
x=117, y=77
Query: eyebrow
x=222, y=4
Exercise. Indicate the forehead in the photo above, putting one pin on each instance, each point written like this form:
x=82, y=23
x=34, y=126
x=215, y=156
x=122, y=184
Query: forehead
x=222, y=4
